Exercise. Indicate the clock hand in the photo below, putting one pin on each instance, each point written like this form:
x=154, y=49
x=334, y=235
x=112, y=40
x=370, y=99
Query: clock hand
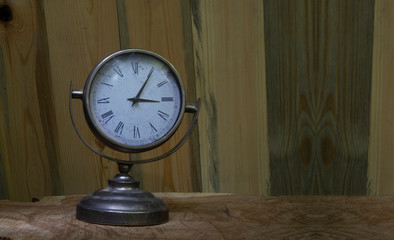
x=143, y=86
x=135, y=100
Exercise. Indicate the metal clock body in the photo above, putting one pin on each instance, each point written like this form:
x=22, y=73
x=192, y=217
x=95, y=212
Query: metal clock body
x=134, y=100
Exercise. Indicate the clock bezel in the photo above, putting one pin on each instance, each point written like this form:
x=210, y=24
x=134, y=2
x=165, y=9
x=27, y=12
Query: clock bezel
x=105, y=137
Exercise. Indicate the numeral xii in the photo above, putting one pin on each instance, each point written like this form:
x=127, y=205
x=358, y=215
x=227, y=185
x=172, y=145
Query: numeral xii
x=134, y=65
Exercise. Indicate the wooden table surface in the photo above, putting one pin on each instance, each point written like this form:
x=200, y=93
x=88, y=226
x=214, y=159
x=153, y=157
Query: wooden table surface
x=212, y=216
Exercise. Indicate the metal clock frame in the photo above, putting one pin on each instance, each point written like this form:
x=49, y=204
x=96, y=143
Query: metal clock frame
x=83, y=95
x=103, y=136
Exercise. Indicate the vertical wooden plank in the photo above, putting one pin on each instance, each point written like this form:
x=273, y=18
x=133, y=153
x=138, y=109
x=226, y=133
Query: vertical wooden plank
x=46, y=103
x=381, y=148
x=5, y=19
x=80, y=34
x=27, y=134
x=4, y=112
x=228, y=39
x=164, y=27
x=319, y=63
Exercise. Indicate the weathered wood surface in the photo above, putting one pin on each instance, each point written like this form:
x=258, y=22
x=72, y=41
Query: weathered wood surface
x=209, y=216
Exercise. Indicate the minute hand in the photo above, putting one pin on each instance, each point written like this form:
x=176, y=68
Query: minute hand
x=134, y=100
x=143, y=86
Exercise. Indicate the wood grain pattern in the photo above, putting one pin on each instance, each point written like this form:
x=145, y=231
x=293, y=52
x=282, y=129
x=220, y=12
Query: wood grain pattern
x=381, y=148
x=202, y=216
x=297, y=95
x=229, y=66
x=79, y=35
x=161, y=26
x=30, y=166
x=319, y=63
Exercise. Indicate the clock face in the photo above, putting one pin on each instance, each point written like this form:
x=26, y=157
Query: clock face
x=134, y=100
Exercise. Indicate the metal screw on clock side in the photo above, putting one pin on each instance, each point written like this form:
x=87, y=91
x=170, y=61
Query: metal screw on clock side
x=191, y=108
x=77, y=93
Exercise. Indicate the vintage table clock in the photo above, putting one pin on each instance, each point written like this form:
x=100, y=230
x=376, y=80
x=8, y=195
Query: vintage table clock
x=133, y=101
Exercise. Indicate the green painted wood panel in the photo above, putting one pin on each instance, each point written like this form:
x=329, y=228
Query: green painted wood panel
x=318, y=66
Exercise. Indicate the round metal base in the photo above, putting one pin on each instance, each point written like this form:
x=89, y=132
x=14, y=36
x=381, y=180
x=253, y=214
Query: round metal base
x=122, y=203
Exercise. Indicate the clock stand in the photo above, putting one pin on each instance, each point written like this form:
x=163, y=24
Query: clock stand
x=122, y=202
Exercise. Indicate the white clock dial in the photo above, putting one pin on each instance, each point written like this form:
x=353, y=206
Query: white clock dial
x=135, y=100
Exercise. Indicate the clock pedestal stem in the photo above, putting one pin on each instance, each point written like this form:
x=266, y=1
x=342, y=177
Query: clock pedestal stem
x=124, y=168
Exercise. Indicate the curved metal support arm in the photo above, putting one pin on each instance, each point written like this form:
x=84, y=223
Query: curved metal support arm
x=189, y=108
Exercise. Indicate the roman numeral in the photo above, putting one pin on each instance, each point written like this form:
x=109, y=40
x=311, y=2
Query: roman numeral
x=154, y=130
x=134, y=65
x=162, y=83
x=167, y=99
x=108, y=115
x=104, y=74
x=103, y=100
x=117, y=70
x=163, y=115
x=109, y=85
x=136, y=131
x=119, y=128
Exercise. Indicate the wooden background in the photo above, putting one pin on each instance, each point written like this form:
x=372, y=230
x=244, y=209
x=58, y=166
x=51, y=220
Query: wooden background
x=297, y=95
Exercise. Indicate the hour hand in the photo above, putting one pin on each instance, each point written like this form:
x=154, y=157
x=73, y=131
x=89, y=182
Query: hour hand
x=135, y=100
